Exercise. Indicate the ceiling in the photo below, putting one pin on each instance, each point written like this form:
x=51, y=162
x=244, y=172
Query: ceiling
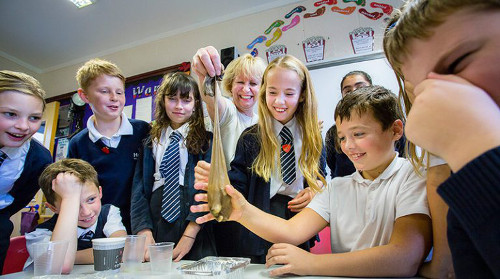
x=45, y=35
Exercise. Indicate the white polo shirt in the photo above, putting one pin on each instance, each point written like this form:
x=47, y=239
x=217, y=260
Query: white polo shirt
x=11, y=170
x=125, y=129
x=362, y=212
x=232, y=124
x=113, y=224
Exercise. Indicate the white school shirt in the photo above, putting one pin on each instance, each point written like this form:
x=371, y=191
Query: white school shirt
x=232, y=124
x=113, y=224
x=433, y=159
x=159, y=151
x=362, y=212
x=11, y=170
x=277, y=186
x=113, y=141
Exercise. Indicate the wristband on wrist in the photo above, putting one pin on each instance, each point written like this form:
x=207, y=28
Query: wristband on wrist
x=188, y=236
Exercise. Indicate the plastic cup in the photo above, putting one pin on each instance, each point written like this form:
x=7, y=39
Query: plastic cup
x=108, y=253
x=160, y=255
x=133, y=254
x=49, y=257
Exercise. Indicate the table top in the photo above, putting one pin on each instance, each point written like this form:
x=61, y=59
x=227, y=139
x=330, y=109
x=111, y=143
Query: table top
x=252, y=271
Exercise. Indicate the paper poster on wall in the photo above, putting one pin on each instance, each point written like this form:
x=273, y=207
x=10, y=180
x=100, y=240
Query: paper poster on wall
x=314, y=48
x=128, y=110
x=143, y=108
x=362, y=40
x=275, y=52
x=61, y=148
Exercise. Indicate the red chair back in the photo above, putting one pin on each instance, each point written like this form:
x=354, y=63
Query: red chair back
x=16, y=255
x=323, y=246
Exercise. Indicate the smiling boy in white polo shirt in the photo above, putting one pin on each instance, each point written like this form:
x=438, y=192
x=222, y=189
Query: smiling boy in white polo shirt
x=379, y=218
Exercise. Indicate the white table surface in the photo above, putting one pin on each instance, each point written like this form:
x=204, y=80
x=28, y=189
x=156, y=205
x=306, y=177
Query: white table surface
x=252, y=271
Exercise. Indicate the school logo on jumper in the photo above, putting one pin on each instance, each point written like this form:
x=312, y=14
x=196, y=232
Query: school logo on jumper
x=136, y=156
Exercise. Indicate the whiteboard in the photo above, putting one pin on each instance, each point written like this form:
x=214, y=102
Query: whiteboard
x=326, y=80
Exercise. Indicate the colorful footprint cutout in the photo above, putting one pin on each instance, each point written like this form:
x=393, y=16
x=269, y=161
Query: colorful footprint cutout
x=386, y=8
x=275, y=24
x=292, y=24
x=254, y=52
x=257, y=40
x=318, y=12
x=277, y=34
x=345, y=11
x=358, y=2
x=327, y=2
x=297, y=9
x=374, y=15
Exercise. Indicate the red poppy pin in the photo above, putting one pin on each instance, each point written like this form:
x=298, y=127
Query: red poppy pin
x=105, y=149
x=286, y=147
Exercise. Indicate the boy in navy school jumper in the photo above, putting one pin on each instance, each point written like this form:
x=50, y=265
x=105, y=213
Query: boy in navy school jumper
x=111, y=142
x=178, y=110
x=448, y=50
x=21, y=159
x=74, y=195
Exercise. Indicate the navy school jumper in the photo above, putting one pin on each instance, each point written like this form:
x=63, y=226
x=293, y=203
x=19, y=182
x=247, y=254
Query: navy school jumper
x=115, y=169
x=239, y=241
x=473, y=194
x=98, y=233
x=146, y=214
x=23, y=191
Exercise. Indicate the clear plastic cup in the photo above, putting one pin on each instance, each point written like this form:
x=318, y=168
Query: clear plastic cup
x=133, y=254
x=108, y=253
x=49, y=257
x=160, y=255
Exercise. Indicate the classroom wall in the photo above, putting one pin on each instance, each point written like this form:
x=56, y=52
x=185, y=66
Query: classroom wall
x=334, y=27
x=6, y=64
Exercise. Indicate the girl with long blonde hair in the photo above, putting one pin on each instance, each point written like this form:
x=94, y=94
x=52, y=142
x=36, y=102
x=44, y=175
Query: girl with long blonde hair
x=279, y=162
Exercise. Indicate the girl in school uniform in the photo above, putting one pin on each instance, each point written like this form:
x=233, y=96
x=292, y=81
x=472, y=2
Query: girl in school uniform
x=163, y=182
x=277, y=161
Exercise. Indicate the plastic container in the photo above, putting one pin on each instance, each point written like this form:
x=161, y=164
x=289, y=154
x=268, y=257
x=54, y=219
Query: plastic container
x=108, y=253
x=215, y=267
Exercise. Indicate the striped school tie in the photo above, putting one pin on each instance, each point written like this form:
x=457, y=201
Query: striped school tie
x=169, y=169
x=87, y=236
x=3, y=156
x=287, y=156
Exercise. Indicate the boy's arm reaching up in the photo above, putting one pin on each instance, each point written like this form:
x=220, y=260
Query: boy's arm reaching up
x=69, y=188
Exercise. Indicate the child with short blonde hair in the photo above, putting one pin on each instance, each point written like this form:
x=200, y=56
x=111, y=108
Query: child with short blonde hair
x=111, y=142
x=22, y=159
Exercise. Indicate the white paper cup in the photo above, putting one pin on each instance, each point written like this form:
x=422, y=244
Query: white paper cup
x=49, y=257
x=108, y=253
x=133, y=254
x=160, y=255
